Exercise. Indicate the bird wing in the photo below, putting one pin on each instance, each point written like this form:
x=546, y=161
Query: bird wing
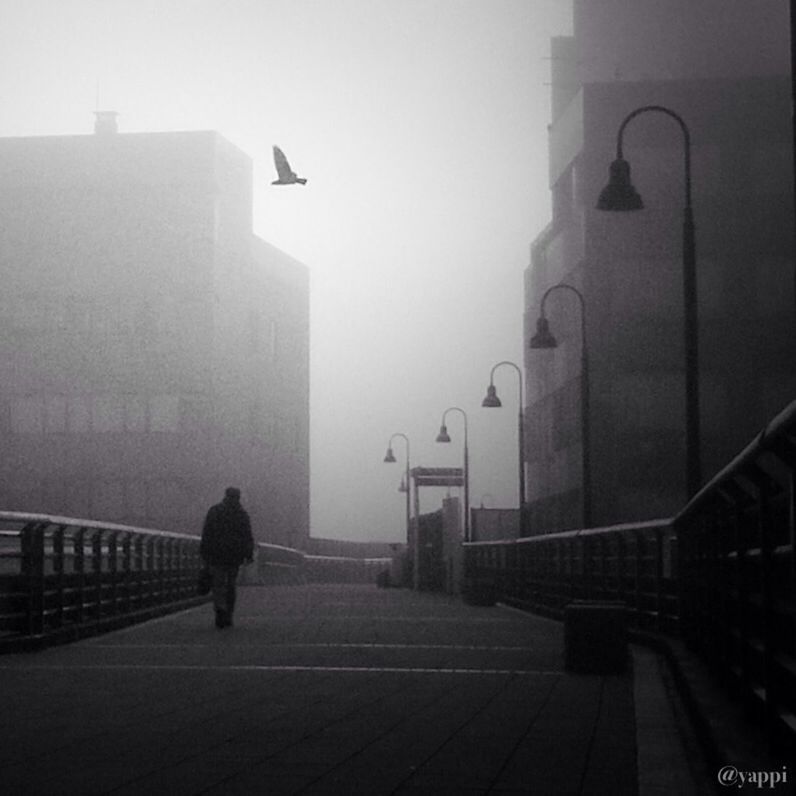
x=282, y=166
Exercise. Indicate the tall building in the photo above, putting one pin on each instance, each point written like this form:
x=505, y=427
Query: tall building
x=723, y=66
x=152, y=350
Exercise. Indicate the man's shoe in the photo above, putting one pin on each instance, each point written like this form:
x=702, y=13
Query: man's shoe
x=221, y=618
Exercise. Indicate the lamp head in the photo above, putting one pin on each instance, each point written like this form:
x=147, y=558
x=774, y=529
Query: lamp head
x=491, y=399
x=443, y=435
x=543, y=338
x=619, y=194
x=389, y=456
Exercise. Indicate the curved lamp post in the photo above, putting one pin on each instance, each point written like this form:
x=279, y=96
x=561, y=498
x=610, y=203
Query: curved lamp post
x=544, y=339
x=620, y=195
x=390, y=459
x=491, y=400
x=444, y=437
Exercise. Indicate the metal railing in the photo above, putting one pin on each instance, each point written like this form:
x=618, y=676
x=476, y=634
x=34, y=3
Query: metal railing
x=62, y=578
x=721, y=574
x=343, y=569
x=737, y=562
x=632, y=563
x=275, y=565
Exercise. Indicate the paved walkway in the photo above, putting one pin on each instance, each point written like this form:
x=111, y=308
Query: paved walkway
x=319, y=690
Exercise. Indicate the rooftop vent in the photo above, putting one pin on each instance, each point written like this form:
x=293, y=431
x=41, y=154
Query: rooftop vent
x=105, y=122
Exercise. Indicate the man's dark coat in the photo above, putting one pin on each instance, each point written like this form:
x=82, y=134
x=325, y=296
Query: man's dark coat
x=227, y=535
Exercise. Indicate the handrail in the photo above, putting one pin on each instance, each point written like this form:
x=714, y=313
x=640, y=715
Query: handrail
x=62, y=578
x=54, y=519
x=721, y=574
x=627, y=526
x=65, y=577
x=344, y=569
x=779, y=428
x=737, y=558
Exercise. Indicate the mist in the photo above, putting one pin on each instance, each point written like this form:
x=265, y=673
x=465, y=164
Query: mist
x=422, y=130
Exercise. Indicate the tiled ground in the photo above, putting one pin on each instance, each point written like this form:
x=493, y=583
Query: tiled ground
x=317, y=690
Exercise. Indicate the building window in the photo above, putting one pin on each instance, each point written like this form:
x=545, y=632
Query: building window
x=274, y=335
x=78, y=413
x=27, y=414
x=54, y=413
x=135, y=413
x=255, y=331
x=108, y=411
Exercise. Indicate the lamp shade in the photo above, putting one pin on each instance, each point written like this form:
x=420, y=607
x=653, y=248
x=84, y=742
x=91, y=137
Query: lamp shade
x=619, y=194
x=491, y=399
x=389, y=456
x=443, y=435
x=543, y=337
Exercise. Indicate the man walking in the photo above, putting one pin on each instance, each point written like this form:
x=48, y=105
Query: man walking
x=226, y=543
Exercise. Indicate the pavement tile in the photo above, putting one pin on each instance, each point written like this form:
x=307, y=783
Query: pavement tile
x=174, y=707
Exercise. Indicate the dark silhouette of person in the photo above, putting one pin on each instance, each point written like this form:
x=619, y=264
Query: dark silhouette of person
x=226, y=543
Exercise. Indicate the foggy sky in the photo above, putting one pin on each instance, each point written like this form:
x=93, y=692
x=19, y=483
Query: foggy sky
x=422, y=128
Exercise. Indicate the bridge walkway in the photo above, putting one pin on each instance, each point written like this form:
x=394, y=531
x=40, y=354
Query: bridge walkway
x=333, y=689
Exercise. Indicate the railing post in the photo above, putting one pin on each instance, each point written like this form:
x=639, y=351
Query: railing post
x=621, y=565
x=113, y=572
x=601, y=594
x=149, y=574
x=588, y=566
x=96, y=571
x=767, y=541
x=742, y=565
x=58, y=573
x=639, y=578
x=160, y=570
x=126, y=578
x=79, y=567
x=32, y=539
x=571, y=568
x=659, y=596
x=139, y=568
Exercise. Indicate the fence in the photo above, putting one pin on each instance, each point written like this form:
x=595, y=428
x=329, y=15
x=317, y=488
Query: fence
x=632, y=563
x=738, y=575
x=63, y=578
x=721, y=574
x=275, y=565
x=341, y=569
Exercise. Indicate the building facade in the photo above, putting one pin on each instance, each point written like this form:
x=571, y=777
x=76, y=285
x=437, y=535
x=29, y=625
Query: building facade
x=152, y=349
x=724, y=68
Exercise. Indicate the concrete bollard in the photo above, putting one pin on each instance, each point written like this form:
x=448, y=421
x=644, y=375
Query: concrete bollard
x=595, y=637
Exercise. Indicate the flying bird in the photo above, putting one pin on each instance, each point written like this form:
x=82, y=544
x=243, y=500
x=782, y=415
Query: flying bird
x=286, y=175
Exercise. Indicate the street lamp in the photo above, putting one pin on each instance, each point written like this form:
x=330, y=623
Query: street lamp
x=492, y=401
x=620, y=195
x=444, y=437
x=390, y=459
x=545, y=339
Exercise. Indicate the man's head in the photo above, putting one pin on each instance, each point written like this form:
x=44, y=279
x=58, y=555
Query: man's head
x=232, y=494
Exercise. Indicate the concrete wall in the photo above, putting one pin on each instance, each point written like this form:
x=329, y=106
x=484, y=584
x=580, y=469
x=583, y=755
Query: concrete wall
x=629, y=268
x=494, y=524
